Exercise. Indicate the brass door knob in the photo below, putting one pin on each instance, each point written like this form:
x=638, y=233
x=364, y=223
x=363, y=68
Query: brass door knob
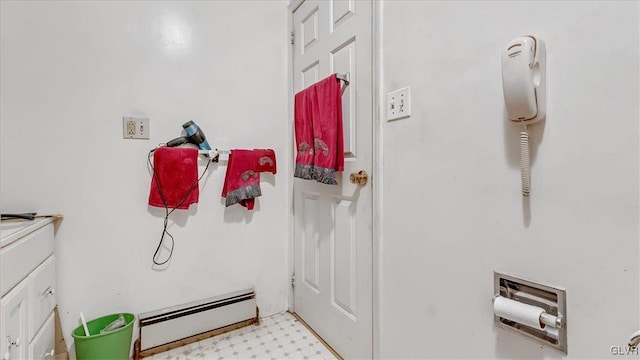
x=360, y=178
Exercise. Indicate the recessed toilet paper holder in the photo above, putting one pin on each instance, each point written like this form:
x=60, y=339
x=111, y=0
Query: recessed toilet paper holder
x=534, y=310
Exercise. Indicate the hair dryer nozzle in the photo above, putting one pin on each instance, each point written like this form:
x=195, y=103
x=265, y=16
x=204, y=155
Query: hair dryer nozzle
x=196, y=135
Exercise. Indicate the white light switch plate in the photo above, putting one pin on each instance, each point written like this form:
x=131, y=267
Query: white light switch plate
x=135, y=128
x=399, y=104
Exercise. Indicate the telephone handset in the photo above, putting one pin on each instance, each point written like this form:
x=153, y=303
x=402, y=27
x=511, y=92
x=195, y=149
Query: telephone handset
x=523, y=83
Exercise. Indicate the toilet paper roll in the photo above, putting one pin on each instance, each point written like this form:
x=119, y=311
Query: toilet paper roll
x=516, y=311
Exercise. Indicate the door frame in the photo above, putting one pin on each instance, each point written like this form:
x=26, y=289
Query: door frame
x=376, y=181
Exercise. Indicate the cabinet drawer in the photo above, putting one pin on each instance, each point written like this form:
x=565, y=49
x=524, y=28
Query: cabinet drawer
x=43, y=343
x=18, y=259
x=42, y=294
x=13, y=322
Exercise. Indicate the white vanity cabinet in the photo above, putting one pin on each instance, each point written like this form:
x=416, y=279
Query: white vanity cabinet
x=28, y=289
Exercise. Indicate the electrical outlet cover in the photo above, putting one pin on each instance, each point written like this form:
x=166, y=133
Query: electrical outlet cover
x=399, y=104
x=135, y=128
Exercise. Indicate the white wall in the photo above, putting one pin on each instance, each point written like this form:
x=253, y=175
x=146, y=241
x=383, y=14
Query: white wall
x=71, y=70
x=452, y=206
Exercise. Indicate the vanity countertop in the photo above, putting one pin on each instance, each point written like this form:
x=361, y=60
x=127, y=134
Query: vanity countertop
x=12, y=230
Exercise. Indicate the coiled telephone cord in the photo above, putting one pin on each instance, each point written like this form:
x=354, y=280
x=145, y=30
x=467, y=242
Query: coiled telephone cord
x=525, y=163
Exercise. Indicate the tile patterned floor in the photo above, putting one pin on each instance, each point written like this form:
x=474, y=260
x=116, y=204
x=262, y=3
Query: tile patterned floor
x=278, y=337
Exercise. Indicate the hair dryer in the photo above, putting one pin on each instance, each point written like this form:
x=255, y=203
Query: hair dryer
x=195, y=135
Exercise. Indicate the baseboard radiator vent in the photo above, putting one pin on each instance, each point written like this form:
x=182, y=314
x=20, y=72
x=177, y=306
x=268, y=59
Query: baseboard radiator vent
x=169, y=328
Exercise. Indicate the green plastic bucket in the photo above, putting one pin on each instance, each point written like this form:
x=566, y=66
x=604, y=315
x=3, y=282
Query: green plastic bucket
x=110, y=345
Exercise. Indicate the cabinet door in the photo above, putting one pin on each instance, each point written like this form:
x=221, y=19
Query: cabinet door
x=43, y=344
x=42, y=283
x=13, y=323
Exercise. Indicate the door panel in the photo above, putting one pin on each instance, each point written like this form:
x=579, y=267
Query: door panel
x=340, y=12
x=310, y=74
x=333, y=224
x=309, y=29
x=344, y=258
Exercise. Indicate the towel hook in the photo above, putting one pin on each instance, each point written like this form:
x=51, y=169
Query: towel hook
x=346, y=77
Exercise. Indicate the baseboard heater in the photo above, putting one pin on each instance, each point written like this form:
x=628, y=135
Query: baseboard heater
x=169, y=328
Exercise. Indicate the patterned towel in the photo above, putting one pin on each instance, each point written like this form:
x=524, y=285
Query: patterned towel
x=304, y=135
x=242, y=182
x=319, y=132
x=327, y=131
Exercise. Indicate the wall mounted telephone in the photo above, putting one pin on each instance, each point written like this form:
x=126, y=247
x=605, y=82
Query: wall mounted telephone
x=523, y=83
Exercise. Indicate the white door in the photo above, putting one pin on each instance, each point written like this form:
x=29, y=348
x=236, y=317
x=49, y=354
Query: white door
x=333, y=224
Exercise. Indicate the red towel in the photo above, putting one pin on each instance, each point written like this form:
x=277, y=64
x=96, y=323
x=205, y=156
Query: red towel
x=304, y=135
x=242, y=182
x=175, y=173
x=318, y=129
x=327, y=131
